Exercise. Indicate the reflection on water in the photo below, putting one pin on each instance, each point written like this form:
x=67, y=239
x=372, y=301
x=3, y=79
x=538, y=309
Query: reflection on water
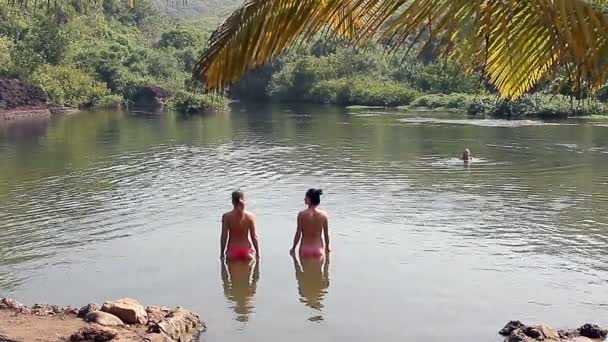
x=109, y=204
x=240, y=281
x=312, y=275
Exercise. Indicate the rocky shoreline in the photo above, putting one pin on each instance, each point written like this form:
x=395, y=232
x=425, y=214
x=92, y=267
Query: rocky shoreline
x=128, y=320
x=124, y=319
x=20, y=99
x=516, y=331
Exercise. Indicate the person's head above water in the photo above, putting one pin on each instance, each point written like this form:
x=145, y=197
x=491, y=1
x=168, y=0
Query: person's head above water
x=466, y=154
x=238, y=199
x=313, y=197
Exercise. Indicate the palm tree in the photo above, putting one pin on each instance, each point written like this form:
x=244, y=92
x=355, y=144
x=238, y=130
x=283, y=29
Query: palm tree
x=514, y=42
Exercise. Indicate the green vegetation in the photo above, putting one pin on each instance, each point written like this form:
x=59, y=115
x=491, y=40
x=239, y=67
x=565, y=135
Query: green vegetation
x=593, y=117
x=545, y=105
x=98, y=53
x=362, y=91
x=188, y=102
x=102, y=53
x=332, y=73
x=514, y=51
x=68, y=85
x=335, y=74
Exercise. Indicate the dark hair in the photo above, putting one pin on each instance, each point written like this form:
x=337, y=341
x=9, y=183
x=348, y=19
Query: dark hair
x=237, y=196
x=314, y=195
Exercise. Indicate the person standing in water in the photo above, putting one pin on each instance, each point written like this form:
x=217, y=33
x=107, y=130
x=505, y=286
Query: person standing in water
x=238, y=226
x=312, y=222
x=466, y=155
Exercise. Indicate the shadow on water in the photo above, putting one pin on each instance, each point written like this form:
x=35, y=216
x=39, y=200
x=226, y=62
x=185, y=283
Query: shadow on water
x=240, y=279
x=312, y=275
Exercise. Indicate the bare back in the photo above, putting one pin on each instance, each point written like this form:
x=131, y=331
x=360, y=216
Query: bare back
x=239, y=226
x=311, y=222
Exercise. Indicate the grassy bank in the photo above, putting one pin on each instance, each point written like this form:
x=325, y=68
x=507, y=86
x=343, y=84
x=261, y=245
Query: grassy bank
x=539, y=105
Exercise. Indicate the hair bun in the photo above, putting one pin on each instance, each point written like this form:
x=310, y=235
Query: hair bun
x=320, y=192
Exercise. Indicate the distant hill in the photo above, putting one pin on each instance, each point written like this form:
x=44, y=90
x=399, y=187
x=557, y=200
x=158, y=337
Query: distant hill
x=191, y=9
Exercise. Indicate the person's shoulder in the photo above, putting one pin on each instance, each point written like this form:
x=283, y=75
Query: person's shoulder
x=250, y=215
x=323, y=213
x=227, y=214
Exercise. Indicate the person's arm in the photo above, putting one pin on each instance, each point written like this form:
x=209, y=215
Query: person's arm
x=296, y=238
x=253, y=233
x=224, y=237
x=326, y=234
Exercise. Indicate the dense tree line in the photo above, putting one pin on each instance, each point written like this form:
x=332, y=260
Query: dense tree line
x=333, y=73
x=99, y=52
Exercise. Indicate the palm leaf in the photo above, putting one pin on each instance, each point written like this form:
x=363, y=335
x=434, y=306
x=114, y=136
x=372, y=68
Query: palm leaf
x=515, y=42
x=261, y=29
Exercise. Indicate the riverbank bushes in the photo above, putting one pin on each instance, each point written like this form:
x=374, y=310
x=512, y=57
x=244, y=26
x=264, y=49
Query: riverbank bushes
x=541, y=105
x=335, y=74
x=69, y=86
x=191, y=103
x=356, y=91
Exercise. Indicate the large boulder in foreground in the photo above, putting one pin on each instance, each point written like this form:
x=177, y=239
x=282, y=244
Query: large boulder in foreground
x=516, y=331
x=18, y=98
x=128, y=310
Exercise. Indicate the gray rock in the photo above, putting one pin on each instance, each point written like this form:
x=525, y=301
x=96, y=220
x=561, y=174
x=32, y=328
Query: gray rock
x=593, y=331
x=128, y=310
x=88, y=308
x=151, y=96
x=508, y=329
x=580, y=339
x=516, y=331
x=68, y=310
x=45, y=310
x=533, y=332
x=94, y=333
x=548, y=332
x=158, y=337
x=518, y=335
x=103, y=318
x=11, y=304
x=157, y=313
x=179, y=325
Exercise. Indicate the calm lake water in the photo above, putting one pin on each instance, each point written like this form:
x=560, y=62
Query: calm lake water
x=101, y=205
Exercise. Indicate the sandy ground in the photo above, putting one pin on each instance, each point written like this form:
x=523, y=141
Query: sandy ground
x=28, y=328
x=19, y=327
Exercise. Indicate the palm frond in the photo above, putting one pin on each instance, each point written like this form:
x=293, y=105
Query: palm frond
x=261, y=29
x=515, y=42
